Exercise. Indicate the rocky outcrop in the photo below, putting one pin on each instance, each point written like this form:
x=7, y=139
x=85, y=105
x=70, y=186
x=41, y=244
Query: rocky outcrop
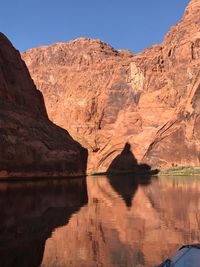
x=106, y=97
x=30, y=144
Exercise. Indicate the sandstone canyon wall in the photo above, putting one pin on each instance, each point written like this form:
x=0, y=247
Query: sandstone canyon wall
x=107, y=97
x=30, y=144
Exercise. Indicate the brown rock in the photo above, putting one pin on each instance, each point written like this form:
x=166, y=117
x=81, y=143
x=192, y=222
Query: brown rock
x=31, y=145
x=106, y=98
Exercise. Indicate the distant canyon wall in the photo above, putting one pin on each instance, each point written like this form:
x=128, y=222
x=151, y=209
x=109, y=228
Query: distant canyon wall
x=106, y=97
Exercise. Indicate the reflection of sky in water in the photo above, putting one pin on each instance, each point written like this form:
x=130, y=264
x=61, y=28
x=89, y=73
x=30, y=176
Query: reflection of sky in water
x=78, y=224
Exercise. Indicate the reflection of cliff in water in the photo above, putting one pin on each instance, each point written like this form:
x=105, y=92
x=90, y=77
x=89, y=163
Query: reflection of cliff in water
x=29, y=212
x=162, y=217
x=126, y=185
x=38, y=229
x=125, y=174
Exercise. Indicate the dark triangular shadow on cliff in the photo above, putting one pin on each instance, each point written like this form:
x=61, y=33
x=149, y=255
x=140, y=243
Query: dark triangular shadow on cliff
x=30, y=212
x=125, y=174
x=124, y=162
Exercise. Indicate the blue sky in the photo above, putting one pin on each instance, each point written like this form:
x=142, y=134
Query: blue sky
x=125, y=24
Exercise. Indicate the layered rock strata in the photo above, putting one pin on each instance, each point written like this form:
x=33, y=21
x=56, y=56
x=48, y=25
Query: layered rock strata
x=106, y=97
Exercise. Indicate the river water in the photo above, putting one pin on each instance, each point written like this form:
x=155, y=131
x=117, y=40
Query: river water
x=120, y=221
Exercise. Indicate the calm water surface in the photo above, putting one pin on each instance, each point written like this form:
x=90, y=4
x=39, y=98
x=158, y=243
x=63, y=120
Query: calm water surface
x=97, y=222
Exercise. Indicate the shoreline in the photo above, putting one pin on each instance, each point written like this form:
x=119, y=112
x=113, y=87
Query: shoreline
x=6, y=176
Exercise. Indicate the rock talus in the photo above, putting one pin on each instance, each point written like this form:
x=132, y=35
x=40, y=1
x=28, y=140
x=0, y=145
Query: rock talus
x=30, y=144
x=107, y=97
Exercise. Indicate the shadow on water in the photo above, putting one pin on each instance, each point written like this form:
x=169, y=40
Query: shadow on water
x=125, y=174
x=126, y=185
x=29, y=213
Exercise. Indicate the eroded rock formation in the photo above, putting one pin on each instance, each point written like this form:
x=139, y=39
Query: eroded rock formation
x=30, y=144
x=106, y=98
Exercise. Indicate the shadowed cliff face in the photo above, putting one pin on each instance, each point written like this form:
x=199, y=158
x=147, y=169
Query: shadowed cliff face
x=29, y=214
x=126, y=162
x=112, y=97
x=30, y=144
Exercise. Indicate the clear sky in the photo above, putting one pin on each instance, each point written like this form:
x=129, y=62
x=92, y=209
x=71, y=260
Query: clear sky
x=125, y=24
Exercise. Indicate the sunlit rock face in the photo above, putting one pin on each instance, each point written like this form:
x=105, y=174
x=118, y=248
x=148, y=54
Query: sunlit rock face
x=162, y=217
x=106, y=97
x=30, y=144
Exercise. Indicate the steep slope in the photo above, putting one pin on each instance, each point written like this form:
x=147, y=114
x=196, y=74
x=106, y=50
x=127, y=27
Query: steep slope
x=30, y=144
x=106, y=98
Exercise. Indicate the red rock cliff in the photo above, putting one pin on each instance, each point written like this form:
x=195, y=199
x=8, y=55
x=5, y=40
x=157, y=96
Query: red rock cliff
x=106, y=98
x=30, y=144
